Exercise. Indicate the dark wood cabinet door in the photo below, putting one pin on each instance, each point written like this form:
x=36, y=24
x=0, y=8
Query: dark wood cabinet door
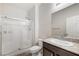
x=62, y=52
x=46, y=52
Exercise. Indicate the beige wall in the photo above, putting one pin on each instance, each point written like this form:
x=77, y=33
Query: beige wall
x=59, y=19
x=0, y=38
x=45, y=20
x=12, y=11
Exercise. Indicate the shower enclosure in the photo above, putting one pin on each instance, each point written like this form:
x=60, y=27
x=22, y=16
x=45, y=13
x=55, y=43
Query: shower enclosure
x=14, y=35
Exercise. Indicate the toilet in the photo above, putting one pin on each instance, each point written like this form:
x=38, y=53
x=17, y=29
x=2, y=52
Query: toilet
x=35, y=50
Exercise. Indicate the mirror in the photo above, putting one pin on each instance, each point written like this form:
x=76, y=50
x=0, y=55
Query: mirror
x=72, y=26
x=65, y=23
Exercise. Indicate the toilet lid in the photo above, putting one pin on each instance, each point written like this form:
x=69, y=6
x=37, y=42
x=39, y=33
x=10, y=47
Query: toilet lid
x=35, y=48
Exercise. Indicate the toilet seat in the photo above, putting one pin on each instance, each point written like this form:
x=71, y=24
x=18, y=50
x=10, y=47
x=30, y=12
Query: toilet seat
x=35, y=49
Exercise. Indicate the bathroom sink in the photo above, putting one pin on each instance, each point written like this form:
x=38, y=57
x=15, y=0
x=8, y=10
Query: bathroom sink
x=61, y=42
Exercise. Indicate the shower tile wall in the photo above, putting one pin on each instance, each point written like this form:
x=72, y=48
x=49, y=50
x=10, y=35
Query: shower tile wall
x=13, y=12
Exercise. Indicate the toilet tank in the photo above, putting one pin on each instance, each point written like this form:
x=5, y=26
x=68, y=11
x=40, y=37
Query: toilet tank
x=40, y=42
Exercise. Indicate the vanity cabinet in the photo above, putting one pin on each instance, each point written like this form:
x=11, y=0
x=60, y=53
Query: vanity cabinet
x=51, y=50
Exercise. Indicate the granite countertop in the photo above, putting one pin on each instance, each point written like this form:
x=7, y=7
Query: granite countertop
x=73, y=48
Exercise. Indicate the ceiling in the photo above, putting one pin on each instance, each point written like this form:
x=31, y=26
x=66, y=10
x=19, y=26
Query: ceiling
x=24, y=6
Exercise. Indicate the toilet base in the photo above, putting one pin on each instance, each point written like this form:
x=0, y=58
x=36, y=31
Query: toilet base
x=37, y=54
